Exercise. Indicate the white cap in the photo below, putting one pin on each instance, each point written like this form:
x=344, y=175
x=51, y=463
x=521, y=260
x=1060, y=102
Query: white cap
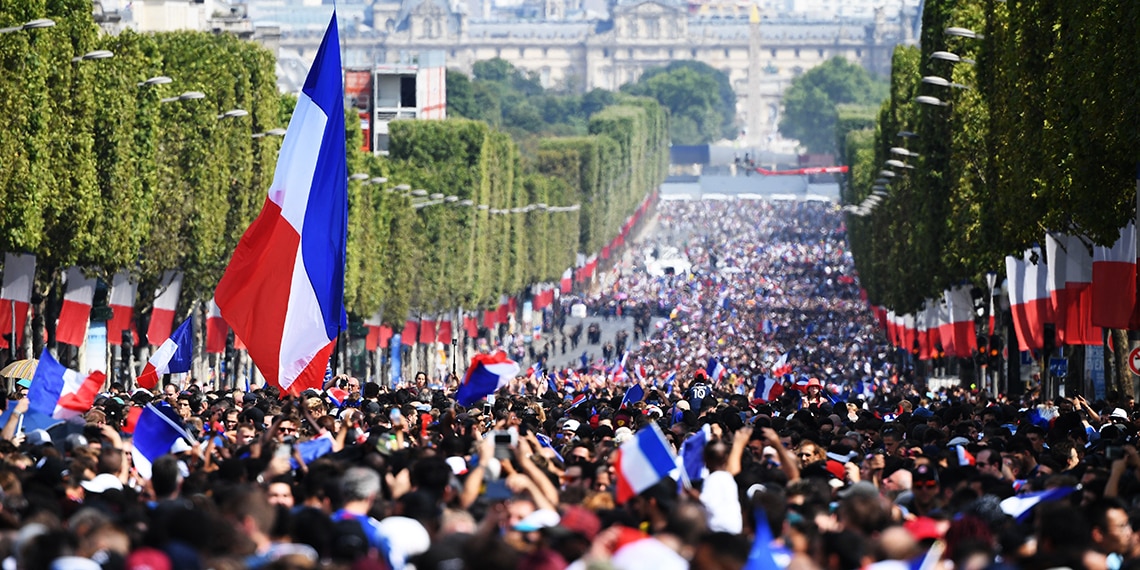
x=457, y=464
x=406, y=536
x=538, y=520
x=958, y=441
x=571, y=425
x=1119, y=413
x=101, y=483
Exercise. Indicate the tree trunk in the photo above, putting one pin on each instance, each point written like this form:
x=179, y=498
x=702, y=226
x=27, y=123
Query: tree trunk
x=1123, y=376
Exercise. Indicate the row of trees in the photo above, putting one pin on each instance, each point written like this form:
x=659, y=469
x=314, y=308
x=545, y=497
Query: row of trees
x=1041, y=141
x=100, y=172
x=1038, y=135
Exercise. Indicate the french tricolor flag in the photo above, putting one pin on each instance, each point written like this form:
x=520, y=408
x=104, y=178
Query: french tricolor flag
x=768, y=389
x=16, y=294
x=715, y=370
x=174, y=355
x=122, y=302
x=487, y=373
x=283, y=291
x=781, y=367
x=216, y=329
x=156, y=431
x=1029, y=298
x=960, y=307
x=75, y=314
x=964, y=456
x=642, y=461
x=165, y=304
x=1114, y=281
x=1075, y=327
x=61, y=392
x=566, y=285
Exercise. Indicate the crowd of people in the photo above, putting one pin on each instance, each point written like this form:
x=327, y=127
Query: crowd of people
x=540, y=475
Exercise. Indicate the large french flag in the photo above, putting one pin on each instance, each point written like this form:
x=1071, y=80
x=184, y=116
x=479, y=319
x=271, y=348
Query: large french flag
x=174, y=355
x=122, y=302
x=960, y=307
x=642, y=461
x=487, y=373
x=165, y=304
x=75, y=314
x=1029, y=298
x=16, y=294
x=283, y=291
x=1114, y=281
x=61, y=392
x=216, y=329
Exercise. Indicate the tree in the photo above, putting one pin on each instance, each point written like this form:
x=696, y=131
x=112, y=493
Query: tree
x=810, y=102
x=699, y=97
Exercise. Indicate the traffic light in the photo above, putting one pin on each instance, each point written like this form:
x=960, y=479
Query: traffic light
x=982, y=350
x=994, y=350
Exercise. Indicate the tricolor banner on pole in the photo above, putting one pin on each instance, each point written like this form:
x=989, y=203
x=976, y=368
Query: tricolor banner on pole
x=122, y=302
x=75, y=314
x=165, y=304
x=283, y=291
x=16, y=295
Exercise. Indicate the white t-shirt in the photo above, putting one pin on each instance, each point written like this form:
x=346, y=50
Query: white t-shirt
x=721, y=498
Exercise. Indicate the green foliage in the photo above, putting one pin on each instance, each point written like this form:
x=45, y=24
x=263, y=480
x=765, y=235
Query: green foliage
x=96, y=171
x=699, y=97
x=810, y=103
x=1041, y=142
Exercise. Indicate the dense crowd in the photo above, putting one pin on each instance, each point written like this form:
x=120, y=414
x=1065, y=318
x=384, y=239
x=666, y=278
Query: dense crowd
x=538, y=477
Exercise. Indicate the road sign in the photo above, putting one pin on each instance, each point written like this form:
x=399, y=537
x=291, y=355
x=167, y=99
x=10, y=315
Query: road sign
x=1134, y=361
x=1059, y=367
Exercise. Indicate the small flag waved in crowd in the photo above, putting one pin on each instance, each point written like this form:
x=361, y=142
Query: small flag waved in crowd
x=61, y=392
x=768, y=389
x=175, y=355
x=715, y=370
x=487, y=373
x=156, y=432
x=642, y=461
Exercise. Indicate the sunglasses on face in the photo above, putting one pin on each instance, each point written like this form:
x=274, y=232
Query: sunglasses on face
x=925, y=484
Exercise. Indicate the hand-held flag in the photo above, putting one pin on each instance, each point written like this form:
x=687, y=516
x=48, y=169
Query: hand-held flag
x=61, y=392
x=155, y=433
x=283, y=291
x=175, y=355
x=487, y=373
x=642, y=461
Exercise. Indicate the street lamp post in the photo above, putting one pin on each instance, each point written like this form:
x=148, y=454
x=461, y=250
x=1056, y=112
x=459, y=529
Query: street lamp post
x=31, y=25
x=93, y=55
